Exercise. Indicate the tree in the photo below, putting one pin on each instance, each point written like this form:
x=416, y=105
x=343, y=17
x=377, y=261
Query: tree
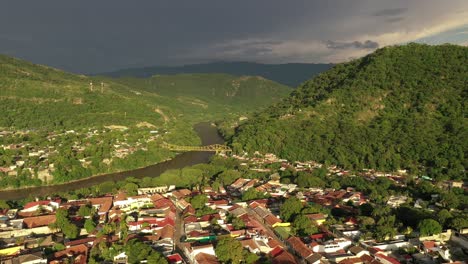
x=4, y=205
x=366, y=221
x=85, y=210
x=156, y=258
x=303, y=226
x=308, y=180
x=366, y=209
x=250, y=258
x=229, y=250
x=238, y=223
x=199, y=201
x=229, y=176
x=291, y=207
x=138, y=251
x=458, y=223
x=443, y=216
x=252, y=194
x=131, y=188
x=450, y=200
x=70, y=230
x=63, y=223
x=89, y=225
x=429, y=227
x=335, y=185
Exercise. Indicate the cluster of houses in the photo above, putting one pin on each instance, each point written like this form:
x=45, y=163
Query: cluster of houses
x=164, y=218
x=38, y=160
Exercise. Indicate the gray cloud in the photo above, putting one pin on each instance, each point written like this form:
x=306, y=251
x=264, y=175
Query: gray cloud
x=368, y=44
x=394, y=19
x=390, y=12
x=97, y=36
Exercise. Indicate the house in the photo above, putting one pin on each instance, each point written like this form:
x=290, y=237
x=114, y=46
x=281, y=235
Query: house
x=121, y=258
x=193, y=250
x=204, y=258
x=239, y=183
x=79, y=253
x=299, y=247
x=395, y=201
x=175, y=259
x=33, y=207
x=358, y=251
x=182, y=193
x=158, y=189
x=332, y=246
x=319, y=219
x=280, y=256
x=37, y=221
x=32, y=258
x=386, y=259
x=351, y=221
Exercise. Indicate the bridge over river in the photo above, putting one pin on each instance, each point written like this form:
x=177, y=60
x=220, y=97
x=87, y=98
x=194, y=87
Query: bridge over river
x=208, y=148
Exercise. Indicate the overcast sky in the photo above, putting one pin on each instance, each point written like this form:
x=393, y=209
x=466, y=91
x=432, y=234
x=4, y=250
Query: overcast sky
x=102, y=35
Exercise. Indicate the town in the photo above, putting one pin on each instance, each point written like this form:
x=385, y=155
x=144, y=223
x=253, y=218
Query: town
x=34, y=158
x=261, y=210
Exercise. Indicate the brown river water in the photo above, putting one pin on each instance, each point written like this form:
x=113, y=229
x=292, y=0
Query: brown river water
x=207, y=133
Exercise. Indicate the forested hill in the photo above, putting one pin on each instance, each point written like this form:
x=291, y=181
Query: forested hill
x=291, y=74
x=35, y=96
x=400, y=107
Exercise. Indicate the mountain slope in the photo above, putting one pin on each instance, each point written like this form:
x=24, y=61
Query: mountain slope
x=291, y=74
x=213, y=90
x=400, y=107
x=35, y=96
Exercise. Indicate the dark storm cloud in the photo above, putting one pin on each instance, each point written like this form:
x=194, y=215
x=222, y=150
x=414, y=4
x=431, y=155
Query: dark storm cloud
x=98, y=36
x=368, y=44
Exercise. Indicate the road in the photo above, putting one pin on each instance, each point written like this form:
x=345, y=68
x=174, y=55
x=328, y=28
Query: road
x=179, y=232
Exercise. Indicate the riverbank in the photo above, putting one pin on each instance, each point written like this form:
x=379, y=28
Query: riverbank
x=207, y=133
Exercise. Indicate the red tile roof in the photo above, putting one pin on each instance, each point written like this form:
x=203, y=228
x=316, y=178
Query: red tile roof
x=32, y=204
x=276, y=251
x=105, y=203
x=80, y=252
x=175, y=258
x=206, y=259
x=316, y=216
x=37, y=221
x=271, y=220
x=387, y=258
x=284, y=257
x=299, y=246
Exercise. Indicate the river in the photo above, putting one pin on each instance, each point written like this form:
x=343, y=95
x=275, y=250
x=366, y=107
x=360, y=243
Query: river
x=207, y=133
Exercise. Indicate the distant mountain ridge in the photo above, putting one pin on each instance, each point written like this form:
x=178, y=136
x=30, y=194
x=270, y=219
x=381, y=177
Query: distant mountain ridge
x=291, y=74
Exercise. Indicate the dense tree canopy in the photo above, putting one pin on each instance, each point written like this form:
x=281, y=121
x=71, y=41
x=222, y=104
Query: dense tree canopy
x=400, y=107
x=429, y=227
x=229, y=250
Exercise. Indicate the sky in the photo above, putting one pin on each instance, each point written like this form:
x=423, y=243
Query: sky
x=90, y=36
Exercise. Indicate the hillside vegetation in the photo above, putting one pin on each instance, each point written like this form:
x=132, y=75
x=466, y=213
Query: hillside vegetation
x=400, y=107
x=35, y=96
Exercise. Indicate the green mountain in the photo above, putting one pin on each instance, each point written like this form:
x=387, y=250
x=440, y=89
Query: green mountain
x=291, y=74
x=35, y=96
x=400, y=107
